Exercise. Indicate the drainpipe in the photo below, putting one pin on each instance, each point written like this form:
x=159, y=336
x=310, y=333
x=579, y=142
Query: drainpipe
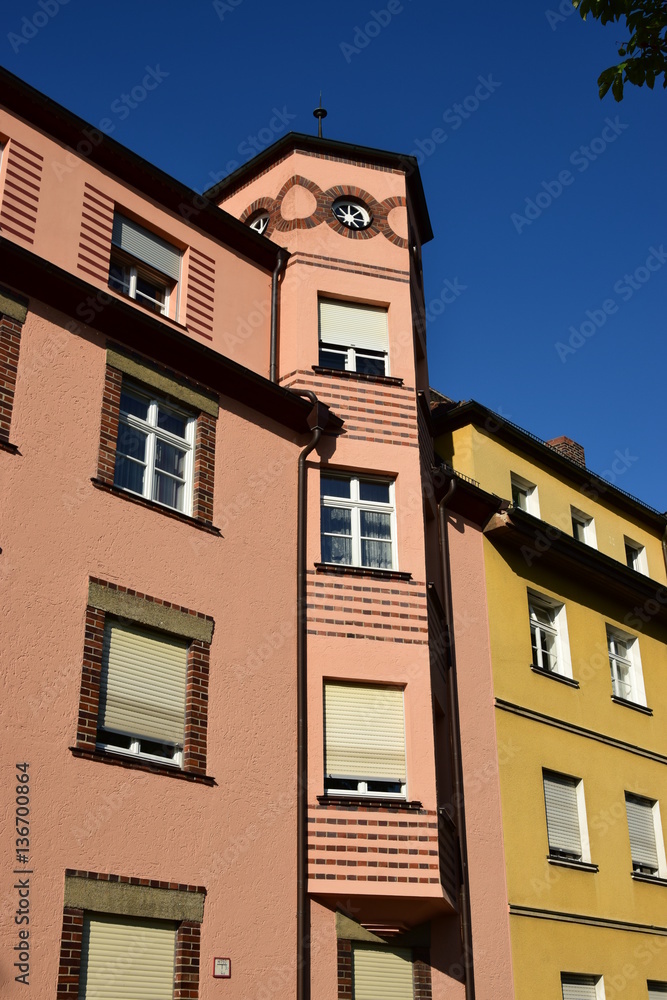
x=280, y=263
x=664, y=546
x=452, y=692
x=317, y=420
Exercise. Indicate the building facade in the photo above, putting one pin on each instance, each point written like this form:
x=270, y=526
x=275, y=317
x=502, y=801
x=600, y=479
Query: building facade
x=558, y=588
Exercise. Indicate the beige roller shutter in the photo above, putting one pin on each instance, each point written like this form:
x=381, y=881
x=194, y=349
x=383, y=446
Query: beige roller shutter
x=364, y=732
x=381, y=974
x=347, y=324
x=142, y=690
x=127, y=959
x=560, y=796
x=642, y=832
x=577, y=987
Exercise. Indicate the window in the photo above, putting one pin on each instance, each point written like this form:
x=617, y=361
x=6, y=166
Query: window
x=635, y=556
x=578, y=987
x=583, y=528
x=142, y=693
x=548, y=635
x=351, y=213
x=357, y=521
x=656, y=991
x=353, y=338
x=566, y=817
x=154, y=449
x=626, y=669
x=645, y=829
x=143, y=266
x=260, y=222
x=524, y=495
x=364, y=740
x=381, y=972
x=123, y=956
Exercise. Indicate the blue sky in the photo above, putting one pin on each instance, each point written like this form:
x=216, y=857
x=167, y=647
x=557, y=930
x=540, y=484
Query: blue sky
x=549, y=206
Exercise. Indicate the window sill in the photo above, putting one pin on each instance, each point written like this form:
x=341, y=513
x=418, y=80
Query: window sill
x=13, y=449
x=343, y=570
x=631, y=704
x=654, y=879
x=368, y=802
x=358, y=376
x=137, y=764
x=99, y=484
x=581, y=866
x=570, y=681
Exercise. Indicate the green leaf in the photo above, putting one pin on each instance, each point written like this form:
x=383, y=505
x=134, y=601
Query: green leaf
x=617, y=88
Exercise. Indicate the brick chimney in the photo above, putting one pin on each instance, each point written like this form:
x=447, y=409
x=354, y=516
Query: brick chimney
x=566, y=446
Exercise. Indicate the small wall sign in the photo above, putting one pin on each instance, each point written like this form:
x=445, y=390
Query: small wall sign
x=222, y=968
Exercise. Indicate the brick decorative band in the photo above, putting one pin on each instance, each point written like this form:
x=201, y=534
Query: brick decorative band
x=23, y=181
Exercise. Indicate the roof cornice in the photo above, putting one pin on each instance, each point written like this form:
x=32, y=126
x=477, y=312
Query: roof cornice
x=62, y=125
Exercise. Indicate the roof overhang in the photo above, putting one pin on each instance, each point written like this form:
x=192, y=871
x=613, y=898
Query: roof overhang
x=126, y=324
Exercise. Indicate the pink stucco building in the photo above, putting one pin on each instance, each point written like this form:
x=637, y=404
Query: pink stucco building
x=223, y=651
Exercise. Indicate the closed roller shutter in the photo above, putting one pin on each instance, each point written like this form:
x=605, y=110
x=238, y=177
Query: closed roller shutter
x=127, y=959
x=364, y=732
x=560, y=796
x=657, y=991
x=348, y=325
x=142, y=689
x=380, y=974
x=578, y=987
x=642, y=832
x=147, y=247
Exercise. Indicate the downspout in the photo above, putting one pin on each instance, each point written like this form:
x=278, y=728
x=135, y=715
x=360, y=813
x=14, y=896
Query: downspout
x=275, y=284
x=316, y=421
x=453, y=697
x=664, y=546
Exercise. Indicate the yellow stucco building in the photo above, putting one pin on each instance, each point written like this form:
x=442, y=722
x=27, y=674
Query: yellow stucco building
x=559, y=603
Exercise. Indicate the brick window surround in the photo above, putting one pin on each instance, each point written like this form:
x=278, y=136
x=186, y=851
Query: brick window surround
x=13, y=312
x=421, y=972
x=120, y=365
x=109, y=599
x=125, y=896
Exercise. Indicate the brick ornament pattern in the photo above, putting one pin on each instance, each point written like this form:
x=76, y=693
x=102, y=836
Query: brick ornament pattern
x=204, y=455
x=196, y=698
x=322, y=212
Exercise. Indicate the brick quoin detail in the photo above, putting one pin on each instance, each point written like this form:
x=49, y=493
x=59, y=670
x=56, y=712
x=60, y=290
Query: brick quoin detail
x=70, y=954
x=344, y=970
x=186, y=962
x=421, y=974
x=204, y=455
x=196, y=698
x=10, y=342
x=106, y=462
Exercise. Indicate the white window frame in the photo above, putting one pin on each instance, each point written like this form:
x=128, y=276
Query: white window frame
x=133, y=270
x=528, y=492
x=657, y=833
x=581, y=816
x=636, y=558
x=617, y=642
x=556, y=611
x=153, y=432
x=350, y=353
x=356, y=505
x=587, y=524
x=598, y=982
